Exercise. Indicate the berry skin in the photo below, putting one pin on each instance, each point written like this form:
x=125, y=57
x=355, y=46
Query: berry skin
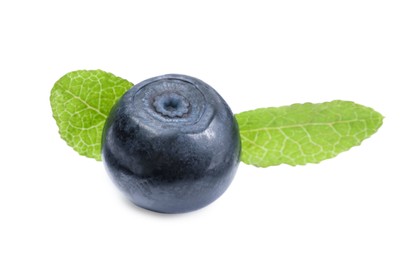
x=171, y=144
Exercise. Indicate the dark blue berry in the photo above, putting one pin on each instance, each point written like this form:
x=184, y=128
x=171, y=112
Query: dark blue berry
x=171, y=144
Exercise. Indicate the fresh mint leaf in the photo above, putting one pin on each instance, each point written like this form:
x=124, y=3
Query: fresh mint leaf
x=80, y=102
x=304, y=133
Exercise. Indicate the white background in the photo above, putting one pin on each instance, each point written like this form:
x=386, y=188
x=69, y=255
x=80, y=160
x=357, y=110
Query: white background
x=362, y=204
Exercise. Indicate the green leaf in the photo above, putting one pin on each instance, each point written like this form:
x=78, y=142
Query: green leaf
x=80, y=102
x=304, y=133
